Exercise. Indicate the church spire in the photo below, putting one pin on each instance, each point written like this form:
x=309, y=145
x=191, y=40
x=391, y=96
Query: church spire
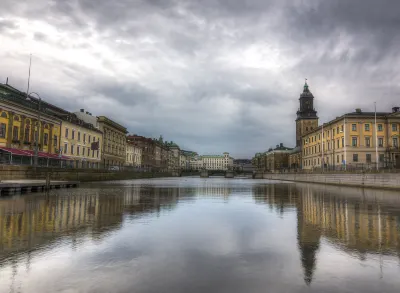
x=305, y=86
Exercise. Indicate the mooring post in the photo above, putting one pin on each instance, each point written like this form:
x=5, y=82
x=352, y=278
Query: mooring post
x=47, y=180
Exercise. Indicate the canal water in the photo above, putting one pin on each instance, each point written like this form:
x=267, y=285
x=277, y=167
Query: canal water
x=201, y=235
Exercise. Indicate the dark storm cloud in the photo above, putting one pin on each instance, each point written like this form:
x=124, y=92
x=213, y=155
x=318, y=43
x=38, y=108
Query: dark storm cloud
x=212, y=75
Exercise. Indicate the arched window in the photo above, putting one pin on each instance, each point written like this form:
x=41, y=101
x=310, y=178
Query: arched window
x=4, y=115
x=27, y=121
x=27, y=133
x=16, y=118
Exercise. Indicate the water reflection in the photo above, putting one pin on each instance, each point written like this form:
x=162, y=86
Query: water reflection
x=359, y=223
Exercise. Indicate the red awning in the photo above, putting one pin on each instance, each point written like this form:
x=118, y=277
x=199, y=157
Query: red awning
x=30, y=153
x=16, y=152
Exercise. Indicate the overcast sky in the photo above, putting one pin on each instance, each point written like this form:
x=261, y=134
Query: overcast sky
x=211, y=75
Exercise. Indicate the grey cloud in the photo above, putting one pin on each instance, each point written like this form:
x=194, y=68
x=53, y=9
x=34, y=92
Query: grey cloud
x=39, y=36
x=6, y=25
x=165, y=75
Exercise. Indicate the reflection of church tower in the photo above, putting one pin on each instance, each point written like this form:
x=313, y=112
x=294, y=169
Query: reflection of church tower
x=308, y=241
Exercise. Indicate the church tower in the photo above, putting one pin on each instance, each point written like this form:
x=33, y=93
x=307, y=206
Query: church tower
x=307, y=118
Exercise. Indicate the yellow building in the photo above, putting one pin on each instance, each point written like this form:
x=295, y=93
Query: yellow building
x=350, y=141
x=114, y=142
x=19, y=126
x=81, y=141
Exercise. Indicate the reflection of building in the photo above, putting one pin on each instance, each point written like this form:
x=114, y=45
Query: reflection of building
x=361, y=226
x=308, y=240
x=355, y=222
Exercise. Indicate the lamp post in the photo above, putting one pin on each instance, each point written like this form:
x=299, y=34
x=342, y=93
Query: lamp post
x=35, y=162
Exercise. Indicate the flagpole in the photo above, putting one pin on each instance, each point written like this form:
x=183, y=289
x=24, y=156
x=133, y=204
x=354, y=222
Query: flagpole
x=376, y=143
x=345, y=144
x=29, y=74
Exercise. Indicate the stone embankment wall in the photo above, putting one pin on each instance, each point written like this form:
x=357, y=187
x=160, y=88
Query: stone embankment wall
x=8, y=172
x=374, y=180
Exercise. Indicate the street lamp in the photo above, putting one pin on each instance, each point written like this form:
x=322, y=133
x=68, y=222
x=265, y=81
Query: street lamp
x=35, y=162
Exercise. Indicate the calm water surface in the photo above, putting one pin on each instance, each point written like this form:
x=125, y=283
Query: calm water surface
x=201, y=235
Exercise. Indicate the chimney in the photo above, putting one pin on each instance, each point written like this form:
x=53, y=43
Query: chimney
x=7, y=81
x=281, y=145
x=395, y=109
x=358, y=110
x=82, y=110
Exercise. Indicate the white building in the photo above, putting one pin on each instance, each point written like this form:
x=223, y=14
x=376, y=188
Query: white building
x=133, y=155
x=212, y=162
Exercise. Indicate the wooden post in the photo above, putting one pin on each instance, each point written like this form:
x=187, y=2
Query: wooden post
x=47, y=180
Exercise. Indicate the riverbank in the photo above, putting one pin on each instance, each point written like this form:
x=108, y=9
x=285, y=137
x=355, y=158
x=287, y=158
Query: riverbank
x=374, y=180
x=10, y=172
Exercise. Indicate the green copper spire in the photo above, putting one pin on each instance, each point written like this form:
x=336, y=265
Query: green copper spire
x=305, y=86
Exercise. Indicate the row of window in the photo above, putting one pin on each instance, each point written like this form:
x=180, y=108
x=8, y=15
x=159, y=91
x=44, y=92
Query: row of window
x=353, y=128
x=367, y=127
x=115, y=137
x=27, y=134
x=79, y=136
x=80, y=150
x=354, y=143
x=340, y=159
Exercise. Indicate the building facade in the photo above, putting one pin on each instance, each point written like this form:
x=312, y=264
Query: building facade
x=81, y=141
x=114, y=142
x=20, y=125
x=212, y=162
x=354, y=140
x=147, y=146
x=273, y=160
x=133, y=155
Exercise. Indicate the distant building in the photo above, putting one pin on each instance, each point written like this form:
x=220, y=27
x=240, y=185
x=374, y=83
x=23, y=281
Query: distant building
x=114, y=142
x=133, y=155
x=212, y=162
x=273, y=160
x=147, y=145
x=244, y=165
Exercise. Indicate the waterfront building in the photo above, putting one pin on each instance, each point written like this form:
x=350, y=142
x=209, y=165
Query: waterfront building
x=114, y=142
x=243, y=165
x=354, y=139
x=20, y=125
x=133, y=154
x=184, y=159
x=174, y=156
x=147, y=146
x=113, y=148
x=81, y=141
x=212, y=162
x=273, y=160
